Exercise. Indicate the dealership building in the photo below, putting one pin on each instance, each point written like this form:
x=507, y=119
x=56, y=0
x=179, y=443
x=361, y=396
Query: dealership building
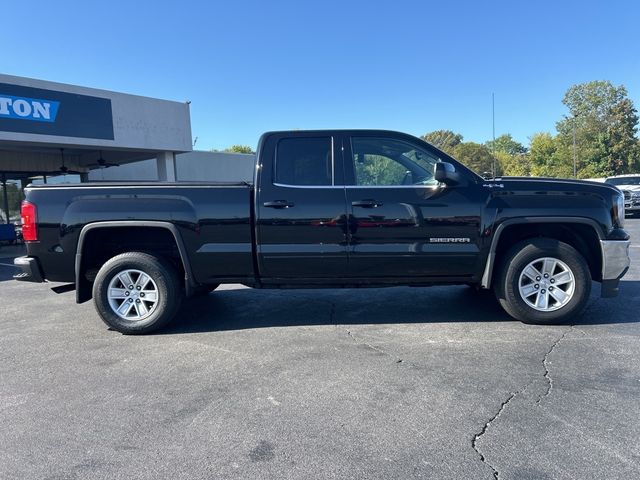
x=52, y=133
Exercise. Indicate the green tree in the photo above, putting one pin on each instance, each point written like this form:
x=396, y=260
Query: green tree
x=511, y=155
x=602, y=124
x=445, y=140
x=514, y=165
x=548, y=157
x=239, y=149
x=618, y=141
x=475, y=156
x=506, y=144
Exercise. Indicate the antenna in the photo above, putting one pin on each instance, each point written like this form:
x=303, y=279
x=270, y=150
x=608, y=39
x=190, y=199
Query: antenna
x=575, y=165
x=195, y=140
x=493, y=128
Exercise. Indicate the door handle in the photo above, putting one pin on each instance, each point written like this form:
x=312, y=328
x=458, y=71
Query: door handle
x=367, y=203
x=279, y=204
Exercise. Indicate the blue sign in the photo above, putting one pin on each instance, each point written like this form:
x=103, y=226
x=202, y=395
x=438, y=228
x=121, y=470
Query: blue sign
x=52, y=112
x=23, y=108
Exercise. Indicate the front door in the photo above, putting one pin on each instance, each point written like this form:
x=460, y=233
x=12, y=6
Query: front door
x=301, y=209
x=403, y=223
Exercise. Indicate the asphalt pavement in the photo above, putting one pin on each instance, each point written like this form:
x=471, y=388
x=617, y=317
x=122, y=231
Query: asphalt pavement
x=391, y=383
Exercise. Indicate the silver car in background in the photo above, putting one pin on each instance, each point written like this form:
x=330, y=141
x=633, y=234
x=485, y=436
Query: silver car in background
x=630, y=186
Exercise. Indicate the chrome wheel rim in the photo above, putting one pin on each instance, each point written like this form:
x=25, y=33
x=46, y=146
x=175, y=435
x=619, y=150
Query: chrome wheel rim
x=546, y=284
x=132, y=295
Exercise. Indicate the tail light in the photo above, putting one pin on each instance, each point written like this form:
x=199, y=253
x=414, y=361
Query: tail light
x=29, y=228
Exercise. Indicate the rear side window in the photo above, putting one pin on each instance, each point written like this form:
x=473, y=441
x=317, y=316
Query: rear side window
x=304, y=161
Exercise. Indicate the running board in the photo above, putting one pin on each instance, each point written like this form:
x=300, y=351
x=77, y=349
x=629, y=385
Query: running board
x=68, y=287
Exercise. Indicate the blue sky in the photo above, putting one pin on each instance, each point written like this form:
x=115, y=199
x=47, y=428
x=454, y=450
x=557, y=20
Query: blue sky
x=413, y=66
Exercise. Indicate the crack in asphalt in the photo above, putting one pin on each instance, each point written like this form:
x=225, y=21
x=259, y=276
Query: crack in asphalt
x=368, y=345
x=373, y=347
x=503, y=405
x=547, y=373
x=474, y=442
x=477, y=436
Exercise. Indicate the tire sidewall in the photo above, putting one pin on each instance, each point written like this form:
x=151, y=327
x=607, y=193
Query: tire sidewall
x=160, y=272
x=524, y=254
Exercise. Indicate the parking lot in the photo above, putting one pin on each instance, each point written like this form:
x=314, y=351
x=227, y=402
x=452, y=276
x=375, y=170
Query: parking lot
x=387, y=383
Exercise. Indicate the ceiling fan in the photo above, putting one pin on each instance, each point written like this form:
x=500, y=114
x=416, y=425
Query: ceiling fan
x=64, y=169
x=102, y=163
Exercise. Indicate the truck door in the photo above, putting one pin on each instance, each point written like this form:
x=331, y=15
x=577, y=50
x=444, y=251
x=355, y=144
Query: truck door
x=301, y=208
x=403, y=223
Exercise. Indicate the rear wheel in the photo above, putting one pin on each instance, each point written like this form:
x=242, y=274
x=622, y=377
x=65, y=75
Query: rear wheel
x=544, y=281
x=136, y=293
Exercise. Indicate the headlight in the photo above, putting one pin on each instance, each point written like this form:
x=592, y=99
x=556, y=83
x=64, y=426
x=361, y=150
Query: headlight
x=618, y=211
x=635, y=194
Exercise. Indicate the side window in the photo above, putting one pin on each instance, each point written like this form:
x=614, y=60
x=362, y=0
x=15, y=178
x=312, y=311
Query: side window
x=374, y=169
x=304, y=161
x=389, y=162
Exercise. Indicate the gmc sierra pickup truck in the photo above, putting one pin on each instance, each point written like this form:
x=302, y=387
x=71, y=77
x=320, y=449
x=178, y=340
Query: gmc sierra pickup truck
x=327, y=209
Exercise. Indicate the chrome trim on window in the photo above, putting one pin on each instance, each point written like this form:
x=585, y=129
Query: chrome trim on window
x=433, y=187
x=306, y=186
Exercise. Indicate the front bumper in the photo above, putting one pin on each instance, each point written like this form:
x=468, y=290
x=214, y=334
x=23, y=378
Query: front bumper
x=632, y=205
x=29, y=270
x=615, y=263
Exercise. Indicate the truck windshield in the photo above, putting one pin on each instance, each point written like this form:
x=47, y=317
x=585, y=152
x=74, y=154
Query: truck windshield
x=623, y=181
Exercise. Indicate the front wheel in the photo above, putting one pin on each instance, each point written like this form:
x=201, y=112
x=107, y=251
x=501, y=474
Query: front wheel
x=136, y=293
x=543, y=281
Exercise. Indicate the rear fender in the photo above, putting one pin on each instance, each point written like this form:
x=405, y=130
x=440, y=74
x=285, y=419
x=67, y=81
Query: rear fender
x=83, y=290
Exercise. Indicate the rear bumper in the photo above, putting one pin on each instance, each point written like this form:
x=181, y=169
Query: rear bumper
x=29, y=270
x=615, y=263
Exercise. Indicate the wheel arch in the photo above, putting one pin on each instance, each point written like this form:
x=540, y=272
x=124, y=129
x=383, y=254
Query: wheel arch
x=83, y=285
x=581, y=233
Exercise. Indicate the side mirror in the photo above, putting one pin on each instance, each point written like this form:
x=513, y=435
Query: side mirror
x=445, y=172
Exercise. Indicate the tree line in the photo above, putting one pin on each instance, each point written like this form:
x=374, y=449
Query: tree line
x=599, y=134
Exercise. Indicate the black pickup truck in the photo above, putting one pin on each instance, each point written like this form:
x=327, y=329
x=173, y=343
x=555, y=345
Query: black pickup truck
x=327, y=209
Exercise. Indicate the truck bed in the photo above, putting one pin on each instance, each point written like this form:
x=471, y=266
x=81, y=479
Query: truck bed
x=213, y=220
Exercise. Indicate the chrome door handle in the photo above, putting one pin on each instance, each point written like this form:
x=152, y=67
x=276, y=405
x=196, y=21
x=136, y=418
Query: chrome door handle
x=279, y=204
x=367, y=203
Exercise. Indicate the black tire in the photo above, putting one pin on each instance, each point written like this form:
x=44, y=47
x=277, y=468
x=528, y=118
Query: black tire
x=165, y=283
x=512, y=267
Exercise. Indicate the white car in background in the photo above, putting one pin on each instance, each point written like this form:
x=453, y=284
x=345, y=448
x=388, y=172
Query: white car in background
x=630, y=186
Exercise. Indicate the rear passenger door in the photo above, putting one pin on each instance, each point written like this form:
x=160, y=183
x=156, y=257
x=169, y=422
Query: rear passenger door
x=301, y=209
